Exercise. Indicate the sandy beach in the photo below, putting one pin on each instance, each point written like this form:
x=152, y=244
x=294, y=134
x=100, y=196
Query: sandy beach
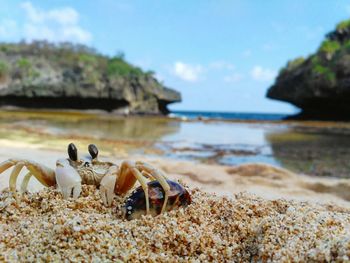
x=244, y=228
x=248, y=212
x=175, y=131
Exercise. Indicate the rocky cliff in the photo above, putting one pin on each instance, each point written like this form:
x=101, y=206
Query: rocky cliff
x=320, y=83
x=44, y=75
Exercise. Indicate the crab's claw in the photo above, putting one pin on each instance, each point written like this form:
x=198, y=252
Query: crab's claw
x=68, y=179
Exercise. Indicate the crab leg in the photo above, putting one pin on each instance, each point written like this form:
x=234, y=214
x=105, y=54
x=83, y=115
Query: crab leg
x=125, y=180
x=158, y=175
x=128, y=174
x=144, y=185
x=45, y=175
x=6, y=165
x=147, y=175
x=24, y=184
x=13, y=178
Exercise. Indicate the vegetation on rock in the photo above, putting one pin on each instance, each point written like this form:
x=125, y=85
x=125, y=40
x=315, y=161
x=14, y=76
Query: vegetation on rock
x=3, y=70
x=320, y=83
x=44, y=70
x=26, y=56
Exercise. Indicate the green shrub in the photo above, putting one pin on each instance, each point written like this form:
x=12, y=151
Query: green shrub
x=326, y=72
x=292, y=64
x=150, y=73
x=347, y=45
x=88, y=59
x=33, y=74
x=320, y=69
x=295, y=63
x=9, y=48
x=32, y=58
x=3, y=69
x=24, y=64
x=330, y=76
x=315, y=60
x=329, y=47
x=93, y=77
x=3, y=48
x=343, y=25
x=27, y=69
x=118, y=67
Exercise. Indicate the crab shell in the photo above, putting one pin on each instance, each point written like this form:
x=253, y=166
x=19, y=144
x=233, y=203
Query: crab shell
x=135, y=205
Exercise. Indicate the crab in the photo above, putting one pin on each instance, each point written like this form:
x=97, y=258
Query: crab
x=156, y=194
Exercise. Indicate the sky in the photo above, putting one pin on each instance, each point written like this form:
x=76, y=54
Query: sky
x=221, y=55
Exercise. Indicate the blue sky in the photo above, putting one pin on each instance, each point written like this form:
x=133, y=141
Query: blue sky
x=221, y=55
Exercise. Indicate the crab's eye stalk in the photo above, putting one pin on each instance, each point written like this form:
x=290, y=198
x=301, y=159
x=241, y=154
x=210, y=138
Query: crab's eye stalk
x=72, y=152
x=93, y=151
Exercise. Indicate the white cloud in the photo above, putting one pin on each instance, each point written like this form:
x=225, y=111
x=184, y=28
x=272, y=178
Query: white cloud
x=233, y=78
x=56, y=25
x=76, y=32
x=259, y=73
x=63, y=16
x=219, y=69
x=187, y=72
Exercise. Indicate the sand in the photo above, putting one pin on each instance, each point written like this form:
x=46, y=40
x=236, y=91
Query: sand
x=262, y=180
x=251, y=212
x=44, y=227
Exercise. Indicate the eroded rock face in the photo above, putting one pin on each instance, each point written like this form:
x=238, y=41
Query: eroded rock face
x=43, y=75
x=320, y=83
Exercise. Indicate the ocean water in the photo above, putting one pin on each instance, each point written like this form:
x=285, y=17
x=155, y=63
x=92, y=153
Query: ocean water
x=228, y=115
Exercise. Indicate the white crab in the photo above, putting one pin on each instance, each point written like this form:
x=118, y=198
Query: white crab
x=72, y=172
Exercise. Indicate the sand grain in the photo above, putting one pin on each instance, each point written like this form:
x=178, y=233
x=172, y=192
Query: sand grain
x=247, y=228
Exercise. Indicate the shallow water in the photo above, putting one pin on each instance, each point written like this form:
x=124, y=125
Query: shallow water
x=314, y=148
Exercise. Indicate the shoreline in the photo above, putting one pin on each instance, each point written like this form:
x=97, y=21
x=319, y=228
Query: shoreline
x=86, y=114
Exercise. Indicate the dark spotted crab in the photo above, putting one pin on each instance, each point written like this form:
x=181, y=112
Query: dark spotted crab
x=156, y=194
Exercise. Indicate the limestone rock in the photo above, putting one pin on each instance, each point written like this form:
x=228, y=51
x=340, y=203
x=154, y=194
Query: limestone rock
x=44, y=75
x=320, y=83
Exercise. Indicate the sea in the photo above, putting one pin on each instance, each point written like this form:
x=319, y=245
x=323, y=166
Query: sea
x=243, y=116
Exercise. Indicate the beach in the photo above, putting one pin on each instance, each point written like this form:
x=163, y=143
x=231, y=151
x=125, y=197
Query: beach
x=175, y=131
x=244, y=228
x=254, y=210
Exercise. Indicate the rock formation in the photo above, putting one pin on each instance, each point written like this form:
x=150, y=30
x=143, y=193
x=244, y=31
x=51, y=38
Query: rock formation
x=44, y=75
x=320, y=83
